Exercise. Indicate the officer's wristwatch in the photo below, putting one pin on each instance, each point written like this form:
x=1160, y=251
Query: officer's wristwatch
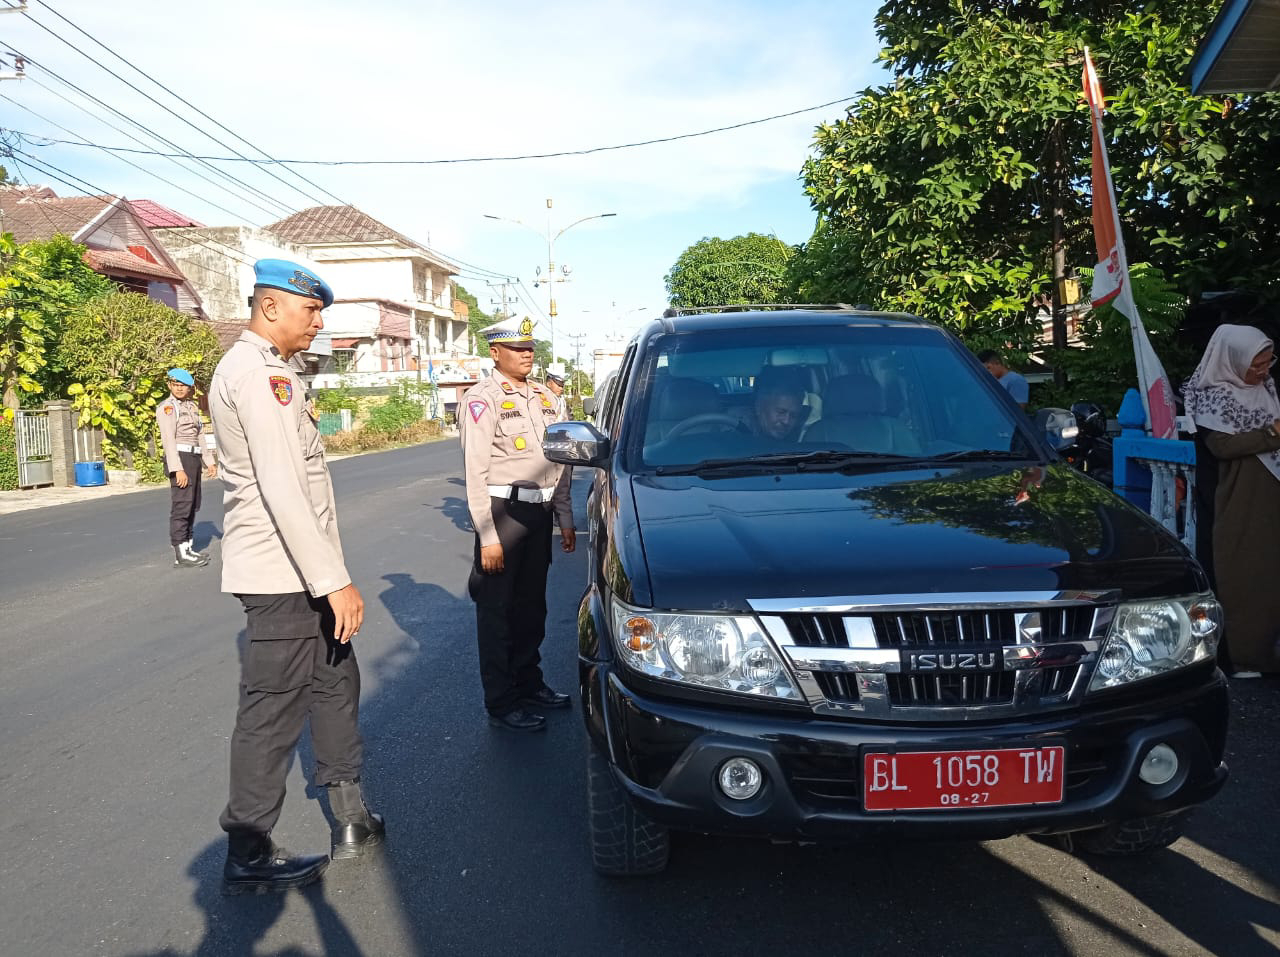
x=1271, y=431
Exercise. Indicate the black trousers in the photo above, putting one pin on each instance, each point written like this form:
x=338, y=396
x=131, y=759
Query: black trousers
x=184, y=502
x=511, y=606
x=293, y=669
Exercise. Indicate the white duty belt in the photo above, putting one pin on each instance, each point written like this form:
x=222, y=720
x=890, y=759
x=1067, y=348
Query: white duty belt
x=522, y=494
x=193, y=449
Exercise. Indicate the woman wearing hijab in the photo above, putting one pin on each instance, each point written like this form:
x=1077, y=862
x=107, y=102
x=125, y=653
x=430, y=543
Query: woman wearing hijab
x=1232, y=399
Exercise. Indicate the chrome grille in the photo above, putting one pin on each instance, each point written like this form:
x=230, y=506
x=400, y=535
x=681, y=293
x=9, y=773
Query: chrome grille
x=927, y=663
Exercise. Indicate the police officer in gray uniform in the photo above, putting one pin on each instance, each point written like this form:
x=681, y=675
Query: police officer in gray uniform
x=282, y=558
x=182, y=441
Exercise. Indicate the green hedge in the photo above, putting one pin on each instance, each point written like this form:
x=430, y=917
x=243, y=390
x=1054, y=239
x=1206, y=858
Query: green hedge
x=8, y=456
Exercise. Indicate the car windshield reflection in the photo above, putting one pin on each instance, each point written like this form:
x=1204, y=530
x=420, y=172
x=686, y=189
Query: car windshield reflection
x=820, y=396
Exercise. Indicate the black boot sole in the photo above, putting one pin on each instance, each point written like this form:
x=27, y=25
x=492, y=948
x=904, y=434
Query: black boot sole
x=531, y=729
x=349, y=852
x=268, y=886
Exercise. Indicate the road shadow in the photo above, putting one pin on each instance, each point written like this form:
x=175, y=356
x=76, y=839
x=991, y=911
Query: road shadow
x=455, y=509
x=234, y=926
x=203, y=534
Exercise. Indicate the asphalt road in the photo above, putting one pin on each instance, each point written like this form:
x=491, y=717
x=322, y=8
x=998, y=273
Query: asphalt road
x=117, y=696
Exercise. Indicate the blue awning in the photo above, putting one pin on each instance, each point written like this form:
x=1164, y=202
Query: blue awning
x=1241, y=53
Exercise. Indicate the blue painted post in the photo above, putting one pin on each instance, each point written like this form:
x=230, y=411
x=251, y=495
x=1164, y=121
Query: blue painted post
x=1131, y=481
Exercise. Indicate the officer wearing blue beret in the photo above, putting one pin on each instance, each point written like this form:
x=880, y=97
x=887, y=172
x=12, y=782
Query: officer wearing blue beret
x=282, y=557
x=182, y=443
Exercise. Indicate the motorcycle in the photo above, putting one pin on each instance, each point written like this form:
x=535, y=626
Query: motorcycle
x=1092, y=450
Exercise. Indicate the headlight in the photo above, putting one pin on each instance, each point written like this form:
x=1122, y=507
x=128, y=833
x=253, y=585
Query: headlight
x=725, y=652
x=1150, y=638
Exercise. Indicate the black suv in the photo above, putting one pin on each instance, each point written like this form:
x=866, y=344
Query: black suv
x=840, y=586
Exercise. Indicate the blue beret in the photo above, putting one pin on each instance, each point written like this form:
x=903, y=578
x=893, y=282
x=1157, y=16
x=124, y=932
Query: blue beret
x=181, y=375
x=282, y=274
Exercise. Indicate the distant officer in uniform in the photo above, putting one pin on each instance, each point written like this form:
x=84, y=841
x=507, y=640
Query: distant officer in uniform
x=512, y=490
x=182, y=440
x=555, y=384
x=282, y=558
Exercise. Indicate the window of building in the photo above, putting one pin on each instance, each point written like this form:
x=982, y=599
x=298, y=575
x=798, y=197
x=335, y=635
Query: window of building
x=344, y=360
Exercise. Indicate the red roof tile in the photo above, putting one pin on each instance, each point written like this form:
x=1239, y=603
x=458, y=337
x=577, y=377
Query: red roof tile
x=120, y=261
x=160, y=217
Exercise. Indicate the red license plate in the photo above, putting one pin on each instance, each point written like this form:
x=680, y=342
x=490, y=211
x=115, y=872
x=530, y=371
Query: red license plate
x=948, y=780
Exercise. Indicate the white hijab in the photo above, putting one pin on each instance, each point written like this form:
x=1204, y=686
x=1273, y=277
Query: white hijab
x=1216, y=396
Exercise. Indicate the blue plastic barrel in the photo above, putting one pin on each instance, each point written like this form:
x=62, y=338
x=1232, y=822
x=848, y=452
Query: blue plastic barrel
x=91, y=473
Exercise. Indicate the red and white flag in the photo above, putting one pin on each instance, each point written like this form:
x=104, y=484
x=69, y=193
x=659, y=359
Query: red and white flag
x=1111, y=275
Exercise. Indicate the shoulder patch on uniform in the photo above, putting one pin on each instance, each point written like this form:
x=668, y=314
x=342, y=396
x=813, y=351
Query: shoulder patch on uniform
x=507, y=387
x=282, y=388
x=168, y=410
x=477, y=408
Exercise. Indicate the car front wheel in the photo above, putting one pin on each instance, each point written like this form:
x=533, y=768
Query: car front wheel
x=624, y=843
x=1136, y=836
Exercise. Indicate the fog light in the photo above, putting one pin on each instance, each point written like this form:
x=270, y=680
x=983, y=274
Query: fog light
x=1160, y=765
x=740, y=778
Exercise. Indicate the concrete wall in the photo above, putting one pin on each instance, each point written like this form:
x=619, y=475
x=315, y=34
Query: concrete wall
x=218, y=260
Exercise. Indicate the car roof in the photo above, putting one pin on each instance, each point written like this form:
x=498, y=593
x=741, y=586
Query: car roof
x=746, y=317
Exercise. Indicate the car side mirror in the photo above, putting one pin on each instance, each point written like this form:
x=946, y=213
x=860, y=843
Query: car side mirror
x=575, y=443
x=1058, y=427
x=588, y=405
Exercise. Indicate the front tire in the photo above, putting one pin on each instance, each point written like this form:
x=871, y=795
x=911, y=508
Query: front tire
x=1140, y=835
x=624, y=843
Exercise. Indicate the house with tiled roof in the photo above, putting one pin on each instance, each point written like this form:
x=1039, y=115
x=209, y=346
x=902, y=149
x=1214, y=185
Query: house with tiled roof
x=394, y=296
x=219, y=260
x=120, y=245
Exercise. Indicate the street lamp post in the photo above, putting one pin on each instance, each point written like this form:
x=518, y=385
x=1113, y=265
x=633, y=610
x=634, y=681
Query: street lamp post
x=551, y=279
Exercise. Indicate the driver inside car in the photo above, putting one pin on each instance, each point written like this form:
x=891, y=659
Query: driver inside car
x=778, y=410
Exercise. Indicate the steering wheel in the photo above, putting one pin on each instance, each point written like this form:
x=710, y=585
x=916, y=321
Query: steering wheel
x=706, y=418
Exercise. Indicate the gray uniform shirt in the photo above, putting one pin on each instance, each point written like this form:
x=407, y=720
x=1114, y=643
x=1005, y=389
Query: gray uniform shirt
x=501, y=425
x=180, y=424
x=280, y=533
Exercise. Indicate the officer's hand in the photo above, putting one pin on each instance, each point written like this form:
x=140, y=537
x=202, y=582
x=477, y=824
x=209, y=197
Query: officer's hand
x=491, y=559
x=211, y=472
x=568, y=539
x=181, y=478
x=348, y=612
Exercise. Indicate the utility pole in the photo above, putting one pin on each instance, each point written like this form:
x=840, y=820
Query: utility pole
x=551, y=278
x=19, y=64
x=576, y=338
x=502, y=302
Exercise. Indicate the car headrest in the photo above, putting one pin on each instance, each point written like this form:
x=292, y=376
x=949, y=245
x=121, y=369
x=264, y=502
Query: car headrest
x=853, y=394
x=679, y=398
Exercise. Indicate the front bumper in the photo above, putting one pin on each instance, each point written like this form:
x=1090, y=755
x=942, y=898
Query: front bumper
x=666, y=753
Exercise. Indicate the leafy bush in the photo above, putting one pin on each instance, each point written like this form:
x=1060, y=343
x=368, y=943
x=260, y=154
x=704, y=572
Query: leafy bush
x=8, y=455
x=402, y=409
x=335, y=400
x=371, y=440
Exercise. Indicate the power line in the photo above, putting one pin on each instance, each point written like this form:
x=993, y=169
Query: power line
x=240, y=156
x=152, y=133
x=480, y=159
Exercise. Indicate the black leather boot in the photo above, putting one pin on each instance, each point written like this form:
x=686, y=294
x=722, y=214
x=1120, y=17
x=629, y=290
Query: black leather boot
x=357, y=829
x=256, y=866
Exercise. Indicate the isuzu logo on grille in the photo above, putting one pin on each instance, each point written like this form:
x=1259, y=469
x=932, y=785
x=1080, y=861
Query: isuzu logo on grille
x=937, y=661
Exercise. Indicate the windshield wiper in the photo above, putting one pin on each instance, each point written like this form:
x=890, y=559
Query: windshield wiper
x=981, y=455
x=826, y=458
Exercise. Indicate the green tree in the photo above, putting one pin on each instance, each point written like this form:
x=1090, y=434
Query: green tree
x=119, y=348
x=933, y=193
x=40, y=282
x=744, y=269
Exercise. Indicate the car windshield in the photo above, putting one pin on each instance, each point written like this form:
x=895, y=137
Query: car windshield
x=820, y=396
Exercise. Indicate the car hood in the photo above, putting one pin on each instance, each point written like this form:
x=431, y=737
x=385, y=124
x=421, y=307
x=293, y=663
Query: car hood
x=715, y=543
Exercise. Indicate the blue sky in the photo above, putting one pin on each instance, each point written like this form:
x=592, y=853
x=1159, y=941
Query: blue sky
x=386, y=79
